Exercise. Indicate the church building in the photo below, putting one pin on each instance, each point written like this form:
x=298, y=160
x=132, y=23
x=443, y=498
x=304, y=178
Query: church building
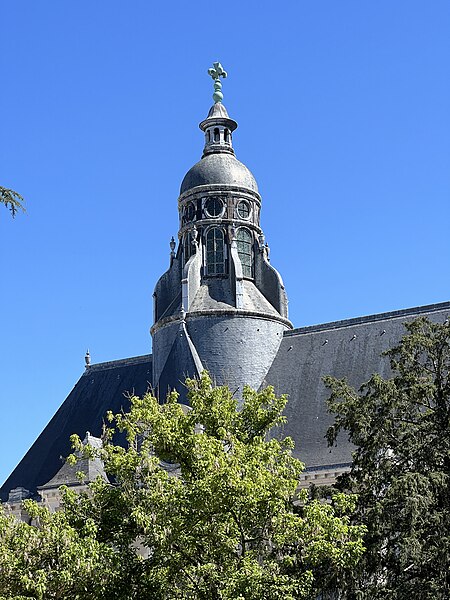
x=222, y=306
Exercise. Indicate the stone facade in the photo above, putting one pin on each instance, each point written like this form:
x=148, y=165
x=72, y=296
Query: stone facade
x=221, y=306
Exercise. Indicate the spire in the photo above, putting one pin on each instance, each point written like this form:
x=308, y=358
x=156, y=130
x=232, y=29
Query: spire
x=218, y=126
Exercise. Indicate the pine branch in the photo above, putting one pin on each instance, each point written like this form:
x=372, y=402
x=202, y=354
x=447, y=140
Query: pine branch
x=12, y=200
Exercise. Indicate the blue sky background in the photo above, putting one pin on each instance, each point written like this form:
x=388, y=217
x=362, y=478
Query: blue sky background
x=343, y=112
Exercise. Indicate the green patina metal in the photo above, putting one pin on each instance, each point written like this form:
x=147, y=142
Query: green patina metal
x=216, y=72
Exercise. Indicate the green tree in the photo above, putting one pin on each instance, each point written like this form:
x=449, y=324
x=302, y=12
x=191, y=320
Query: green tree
x=401, y=467
x=52, y=559
x=12, y=200
x=204, y=506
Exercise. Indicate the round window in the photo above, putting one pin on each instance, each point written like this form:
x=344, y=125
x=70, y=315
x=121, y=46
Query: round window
x=189, y=212
x=214, y=207
x=243, y=209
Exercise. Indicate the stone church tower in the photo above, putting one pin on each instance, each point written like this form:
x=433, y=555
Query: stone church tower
x=221, y=306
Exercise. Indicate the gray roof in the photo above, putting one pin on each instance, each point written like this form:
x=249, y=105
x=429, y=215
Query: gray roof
x=218, y=114
x=102, y=387
x=217, y=111
x=351, y=349
x=219, y=168
x=216, y=293
x=90, y=467
x=180, y=365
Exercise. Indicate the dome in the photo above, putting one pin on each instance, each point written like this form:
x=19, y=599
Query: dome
x=220, y=168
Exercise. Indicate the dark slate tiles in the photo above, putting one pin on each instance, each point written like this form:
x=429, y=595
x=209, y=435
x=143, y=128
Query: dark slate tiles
x=101, y=388
x=350, y=349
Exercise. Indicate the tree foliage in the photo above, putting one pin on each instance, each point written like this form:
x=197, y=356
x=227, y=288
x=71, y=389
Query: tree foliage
x=401, y=467
x=52, y=559
x=12, y=200
x=202, y=506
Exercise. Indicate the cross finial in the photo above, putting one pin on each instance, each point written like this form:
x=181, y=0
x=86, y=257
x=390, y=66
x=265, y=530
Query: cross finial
x=216, y=72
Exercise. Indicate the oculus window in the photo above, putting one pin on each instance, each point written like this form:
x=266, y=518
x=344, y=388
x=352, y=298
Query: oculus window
x=214, y=207
x=243, y=209
x=189, y=213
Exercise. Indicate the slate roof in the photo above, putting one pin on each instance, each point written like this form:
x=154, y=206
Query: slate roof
x=180, y=365
x=351, y=349
x=216, y=294
x=91, y=467
x=99, y=389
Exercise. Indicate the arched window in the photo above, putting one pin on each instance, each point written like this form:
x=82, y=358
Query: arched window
x=216, y=135
x=227, y=136
x=215, y=252
x=188, y=247
x=245, y=251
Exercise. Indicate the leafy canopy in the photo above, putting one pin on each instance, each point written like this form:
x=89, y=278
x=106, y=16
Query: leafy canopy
x=54, y=558
x=202, y=506
x=401, y=467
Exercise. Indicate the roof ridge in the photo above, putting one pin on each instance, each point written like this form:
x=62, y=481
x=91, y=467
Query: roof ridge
x=121, y=362
x=394, y=314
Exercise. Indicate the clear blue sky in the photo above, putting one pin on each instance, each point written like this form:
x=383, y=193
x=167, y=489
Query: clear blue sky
x=343, y=112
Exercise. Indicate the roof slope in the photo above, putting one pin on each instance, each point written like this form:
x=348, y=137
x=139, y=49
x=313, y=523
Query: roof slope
x=216, y=294
x=179, y=362
x=102, y=387
x=351, y=349
x=91, y=467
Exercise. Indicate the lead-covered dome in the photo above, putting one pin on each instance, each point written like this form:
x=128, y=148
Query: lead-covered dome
x=218, y=165
x=220, y=169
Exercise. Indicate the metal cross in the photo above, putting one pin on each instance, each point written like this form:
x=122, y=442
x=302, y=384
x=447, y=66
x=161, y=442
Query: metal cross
x=216, y=72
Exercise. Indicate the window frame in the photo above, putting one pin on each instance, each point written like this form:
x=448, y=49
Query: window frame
x=248, y=266
x=211, y=269
x=205, y=209
x=248, y=205
x=188, y=206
